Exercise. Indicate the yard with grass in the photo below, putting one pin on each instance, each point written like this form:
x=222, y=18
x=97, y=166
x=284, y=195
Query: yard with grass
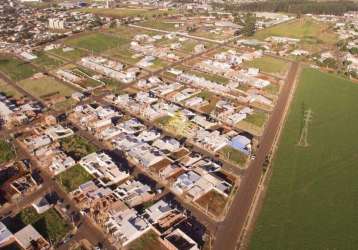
x=73, y=177
x=16, y=69
x=306, y=29
x=311, y=202
x=46, y=86
x=77, y=147
x=6, y=152
x=213, y=202
x=148, y=241
x=269, y=65
x=258, y=118
x=96, y=42
x=49, y=224
x=233, y=155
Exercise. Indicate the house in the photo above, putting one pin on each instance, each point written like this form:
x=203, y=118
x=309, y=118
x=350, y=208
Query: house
x=41, y=205
x=28, y=237
x=241, y=143
x=185, y=181
x=5, y=235
x=134, y=193
x=157, y=211
x=103, y=168
x=126, y=226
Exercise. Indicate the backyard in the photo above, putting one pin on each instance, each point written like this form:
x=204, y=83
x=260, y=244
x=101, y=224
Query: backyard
x=312, y=191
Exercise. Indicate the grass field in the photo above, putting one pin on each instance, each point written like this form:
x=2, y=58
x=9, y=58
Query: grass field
x=49, y=224
x=73, y=55
x=233, y=155
x=312, y=197
x=126, y=12
x=96, y=42
x=45, y=86
x=211, y=77
x=72, y=178
x=305, y=29
x=268, y=64
x=9, y=90
x=15, y=69
x=6, y=152
x=47, y=61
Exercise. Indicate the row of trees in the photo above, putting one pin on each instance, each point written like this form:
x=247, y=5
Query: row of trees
x=295, y=6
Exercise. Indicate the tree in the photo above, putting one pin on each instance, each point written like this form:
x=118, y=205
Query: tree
x=249, y=23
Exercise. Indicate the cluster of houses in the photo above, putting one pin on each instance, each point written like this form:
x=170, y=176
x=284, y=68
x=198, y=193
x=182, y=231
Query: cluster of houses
x=24, y=27
x=110, y=68
x=15, y=112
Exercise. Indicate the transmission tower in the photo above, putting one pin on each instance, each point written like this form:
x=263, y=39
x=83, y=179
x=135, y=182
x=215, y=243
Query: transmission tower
x=307, y=118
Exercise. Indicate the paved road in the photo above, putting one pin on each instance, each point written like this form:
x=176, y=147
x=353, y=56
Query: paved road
x=229, y=230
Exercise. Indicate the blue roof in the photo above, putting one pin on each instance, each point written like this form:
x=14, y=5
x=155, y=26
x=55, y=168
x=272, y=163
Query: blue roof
x=240, y=143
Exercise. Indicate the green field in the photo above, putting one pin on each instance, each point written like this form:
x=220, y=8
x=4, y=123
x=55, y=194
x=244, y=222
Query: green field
x=233, y=155
x=96, y=42
x=73, y=55
x=47, y=61
x=268, y=64
x=306, y=29
x=6, y=152
x=72, y=178
x=127, y=12
x=49, y=224
x=9, y=90
x=312, y=199
x=45, y=86
x=16, y=69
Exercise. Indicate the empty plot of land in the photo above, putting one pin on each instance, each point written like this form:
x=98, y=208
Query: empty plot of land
x=45, y=86
x=269, y=65
x=312, y=197
x=96, y=42
x=9, y=90
x=72, y=178
x=16, y=69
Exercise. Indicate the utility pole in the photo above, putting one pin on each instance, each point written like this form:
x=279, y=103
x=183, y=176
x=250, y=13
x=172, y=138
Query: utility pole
x=307, y=117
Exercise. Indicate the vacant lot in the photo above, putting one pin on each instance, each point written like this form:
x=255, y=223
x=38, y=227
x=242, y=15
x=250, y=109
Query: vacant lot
x=9, y=90
x=213, y=202
x=49, y=224
x=269, y=65
x=72, y=178
x=6, y=152
x=77, y=147
x=306, y=29
x=45, y=86
x=47, y=61
x=72, y=55
x=149, y=241
x=312, y=197
x=96, y=42
x=16, y=69
x=234, y=155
